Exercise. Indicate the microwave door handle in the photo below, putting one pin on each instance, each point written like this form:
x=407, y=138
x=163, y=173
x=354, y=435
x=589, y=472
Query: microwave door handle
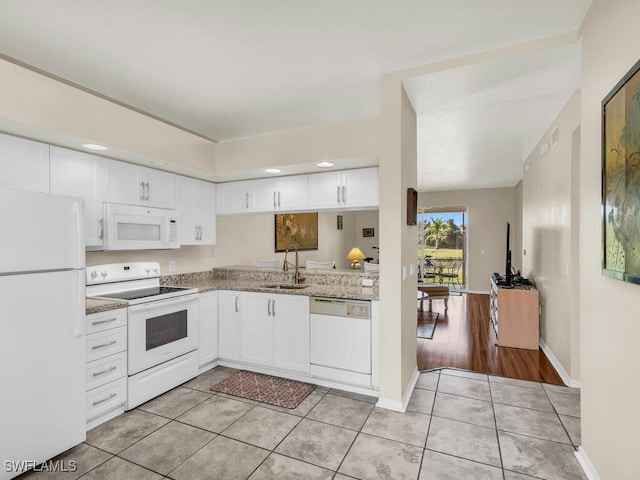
x=167, y=231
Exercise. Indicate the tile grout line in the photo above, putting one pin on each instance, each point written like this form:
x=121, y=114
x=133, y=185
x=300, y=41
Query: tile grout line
x=495, y=421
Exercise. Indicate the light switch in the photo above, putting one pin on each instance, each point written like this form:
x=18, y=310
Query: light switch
x=404, y=273
x=412, y=270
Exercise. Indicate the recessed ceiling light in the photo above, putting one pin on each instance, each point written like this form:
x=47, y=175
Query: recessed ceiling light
x=273, y=170
x=324, y=164
x=94, y=146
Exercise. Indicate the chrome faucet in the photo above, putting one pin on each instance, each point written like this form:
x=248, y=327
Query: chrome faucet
x=285, y=268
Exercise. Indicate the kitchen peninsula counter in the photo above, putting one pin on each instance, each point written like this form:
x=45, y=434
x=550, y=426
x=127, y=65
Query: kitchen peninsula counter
x=319, y=283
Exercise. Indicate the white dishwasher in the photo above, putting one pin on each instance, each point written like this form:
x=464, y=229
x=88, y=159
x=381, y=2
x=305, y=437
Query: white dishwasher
x=340, y=340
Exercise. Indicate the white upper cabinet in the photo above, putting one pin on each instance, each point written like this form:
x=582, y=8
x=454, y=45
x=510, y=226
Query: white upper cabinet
x=80, y=174
x=24, y=164
x=136, y=185
x=284, y=193
x=196, y=202
x=234, y=197
x=346, y=189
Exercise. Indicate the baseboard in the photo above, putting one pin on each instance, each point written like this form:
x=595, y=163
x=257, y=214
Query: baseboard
x=401, y=406
x=587, y=466
x=564, y=375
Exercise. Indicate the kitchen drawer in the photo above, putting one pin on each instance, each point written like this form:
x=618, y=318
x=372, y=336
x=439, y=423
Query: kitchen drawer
x=98, y=322
x=105, y=370
x=106, y=399
x=103, y=344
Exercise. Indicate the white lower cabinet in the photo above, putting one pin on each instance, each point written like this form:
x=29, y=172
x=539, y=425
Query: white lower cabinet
x=106, y=373
x=274, y=331
x=256, y=329
x=265, y=329
x=291, y=332
x=208, y=332
x=229, y=325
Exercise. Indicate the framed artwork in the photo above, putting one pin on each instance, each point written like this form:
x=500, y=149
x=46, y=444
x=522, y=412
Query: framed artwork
x=621, y=179
x=299, y=229
x=368, y=232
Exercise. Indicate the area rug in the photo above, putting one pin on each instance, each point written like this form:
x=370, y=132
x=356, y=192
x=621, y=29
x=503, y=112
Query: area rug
x=425, y=330
x=265, y=388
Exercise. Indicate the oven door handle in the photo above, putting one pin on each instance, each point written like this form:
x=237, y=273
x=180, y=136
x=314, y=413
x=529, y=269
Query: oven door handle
x=182, y=300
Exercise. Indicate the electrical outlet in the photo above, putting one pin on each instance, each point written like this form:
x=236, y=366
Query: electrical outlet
x=172, y=266
x=367, y=282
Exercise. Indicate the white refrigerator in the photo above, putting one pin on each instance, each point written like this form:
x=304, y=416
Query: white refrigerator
x=42, y=328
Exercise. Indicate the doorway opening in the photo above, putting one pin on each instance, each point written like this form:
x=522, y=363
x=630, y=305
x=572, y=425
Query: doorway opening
x=442, y=246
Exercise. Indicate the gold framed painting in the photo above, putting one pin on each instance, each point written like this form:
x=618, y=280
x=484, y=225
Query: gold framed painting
x=621, y=179
x=299, y=229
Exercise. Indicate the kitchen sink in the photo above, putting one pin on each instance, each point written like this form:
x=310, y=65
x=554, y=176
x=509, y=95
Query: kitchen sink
x=285, y=286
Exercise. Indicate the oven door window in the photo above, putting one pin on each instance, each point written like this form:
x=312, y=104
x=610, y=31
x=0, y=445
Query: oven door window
x=166, y=328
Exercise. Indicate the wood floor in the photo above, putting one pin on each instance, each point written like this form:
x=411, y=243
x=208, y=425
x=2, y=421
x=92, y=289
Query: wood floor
x=464, y=338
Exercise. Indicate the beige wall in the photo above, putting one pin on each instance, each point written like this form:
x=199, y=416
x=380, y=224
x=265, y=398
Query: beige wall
x=245, y=238
x=548, y=236
x=368, y=219
x=398, y=170
x=610, y=324
x=38, y=107
x=488, y=211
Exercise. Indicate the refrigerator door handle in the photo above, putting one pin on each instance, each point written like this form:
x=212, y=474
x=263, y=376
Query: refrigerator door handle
x=80, y=321
x=78, y=213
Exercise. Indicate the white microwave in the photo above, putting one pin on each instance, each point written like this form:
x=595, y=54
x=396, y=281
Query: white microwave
x=130, y=227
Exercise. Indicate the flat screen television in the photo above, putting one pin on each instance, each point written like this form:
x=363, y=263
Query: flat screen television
x=508, y=277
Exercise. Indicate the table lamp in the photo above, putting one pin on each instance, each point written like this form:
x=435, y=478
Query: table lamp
x=354, y=255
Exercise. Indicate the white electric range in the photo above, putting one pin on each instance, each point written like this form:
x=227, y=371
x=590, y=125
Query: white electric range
x=162, y=331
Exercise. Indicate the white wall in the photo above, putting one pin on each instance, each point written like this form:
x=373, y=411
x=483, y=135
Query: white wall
x=610, y=323
x=549, y=236
x=488, y=211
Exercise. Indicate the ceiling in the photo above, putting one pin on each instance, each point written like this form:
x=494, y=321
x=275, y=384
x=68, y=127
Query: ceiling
x=226, y=70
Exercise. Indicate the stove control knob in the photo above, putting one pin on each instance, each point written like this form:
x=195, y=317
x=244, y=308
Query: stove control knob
x=155, y=270
x=104, y=274
x=94, y=274
x=147, y=269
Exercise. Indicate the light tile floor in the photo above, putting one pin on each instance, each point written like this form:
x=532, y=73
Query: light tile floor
x=459, y=425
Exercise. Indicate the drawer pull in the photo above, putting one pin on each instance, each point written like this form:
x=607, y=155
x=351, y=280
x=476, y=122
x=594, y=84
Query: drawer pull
x=97, y=374
x=105, y=399
x=100, y=322
x=112, y=342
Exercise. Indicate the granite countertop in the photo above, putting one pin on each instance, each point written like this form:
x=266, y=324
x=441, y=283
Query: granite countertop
x=97, y=305
x=326, y=283
x=332, y=291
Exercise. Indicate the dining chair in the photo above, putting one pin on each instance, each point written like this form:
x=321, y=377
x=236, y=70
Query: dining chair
x=311, y=265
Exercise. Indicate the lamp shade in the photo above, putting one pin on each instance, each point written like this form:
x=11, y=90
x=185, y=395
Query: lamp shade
x=354, y=255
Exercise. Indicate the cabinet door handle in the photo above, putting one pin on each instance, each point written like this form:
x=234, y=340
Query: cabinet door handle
x=195, y=232
x=278, y=199
x=274, y=199
x=147, y=186
x=344, y=195
x=141, y=190
x=104, y=399
x=103, y=345
x=338, y=194
x=97, y=374
x=246, y=199
x=273, y=308
x=101, y=223
x=200, y=230
x=236, y=304
x=100, y=322
x=269, y=307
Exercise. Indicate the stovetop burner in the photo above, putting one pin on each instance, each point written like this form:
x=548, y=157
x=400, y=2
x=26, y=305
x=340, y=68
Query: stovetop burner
x=145, y=293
